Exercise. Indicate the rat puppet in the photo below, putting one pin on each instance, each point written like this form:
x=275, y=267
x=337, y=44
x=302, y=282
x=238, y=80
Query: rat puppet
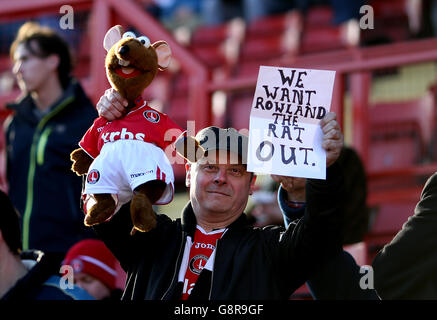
x=124, y=159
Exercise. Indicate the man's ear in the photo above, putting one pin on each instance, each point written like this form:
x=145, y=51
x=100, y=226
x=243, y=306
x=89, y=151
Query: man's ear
x=53, y=61
x=252, y=184
x=187, y=174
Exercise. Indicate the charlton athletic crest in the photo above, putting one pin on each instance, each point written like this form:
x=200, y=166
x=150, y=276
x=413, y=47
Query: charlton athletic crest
x=93, y=176
x=197, y=263
x=152, y=116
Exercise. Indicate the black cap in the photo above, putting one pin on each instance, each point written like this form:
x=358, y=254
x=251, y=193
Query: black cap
x=209, y=139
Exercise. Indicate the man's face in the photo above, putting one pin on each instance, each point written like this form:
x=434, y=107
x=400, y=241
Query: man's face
x=219, y=187
x=31, y=71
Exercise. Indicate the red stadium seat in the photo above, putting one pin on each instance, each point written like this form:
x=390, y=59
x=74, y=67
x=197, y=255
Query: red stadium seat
x=209, y=34
x=415, y=115
x=212, y=55
x=390, y=22
x=400, y=138
x=218, y=46
x=395, y=152
x=387, y=222
x=319, y=16
x=262, y=48
x=268, y=26
x=321, y=39
x=238, y=109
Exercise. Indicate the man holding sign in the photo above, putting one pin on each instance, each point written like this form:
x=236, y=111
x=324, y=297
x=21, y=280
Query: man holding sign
x=212, y=252
x=285, y=136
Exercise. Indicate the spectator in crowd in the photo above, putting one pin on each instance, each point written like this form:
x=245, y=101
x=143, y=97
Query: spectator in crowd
x=48, y=120
x=27, y=275
x=340, y=277
x=346, y=14
x=356, y=214
x=406, y=267
x=176, y=259
x=263, y=208
x=95, y=269
x=176, y=13
x=219, y=11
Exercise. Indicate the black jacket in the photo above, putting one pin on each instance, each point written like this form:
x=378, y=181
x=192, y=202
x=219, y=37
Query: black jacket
x=41, y=184
x=250, y=263
x=406, y=268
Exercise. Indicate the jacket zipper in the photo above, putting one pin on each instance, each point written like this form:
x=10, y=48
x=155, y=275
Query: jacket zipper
x=32, y=165
x=42, y=146
x=213, y=268
x=184, y=239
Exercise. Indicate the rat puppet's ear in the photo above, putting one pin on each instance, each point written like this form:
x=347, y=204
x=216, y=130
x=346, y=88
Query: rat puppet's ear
x=112, y=36
x=164, y=54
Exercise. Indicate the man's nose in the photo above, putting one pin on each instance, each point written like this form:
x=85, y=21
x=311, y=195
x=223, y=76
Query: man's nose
x=220, y=177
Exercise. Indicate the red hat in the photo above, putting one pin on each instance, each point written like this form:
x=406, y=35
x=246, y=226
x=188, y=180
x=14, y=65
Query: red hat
x=94, y=258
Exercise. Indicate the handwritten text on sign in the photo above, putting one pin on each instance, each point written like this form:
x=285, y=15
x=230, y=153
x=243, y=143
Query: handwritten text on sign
x=284, y=134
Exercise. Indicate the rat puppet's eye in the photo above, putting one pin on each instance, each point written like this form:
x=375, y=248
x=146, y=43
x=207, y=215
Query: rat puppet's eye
x=129, y=34
x=144, y=40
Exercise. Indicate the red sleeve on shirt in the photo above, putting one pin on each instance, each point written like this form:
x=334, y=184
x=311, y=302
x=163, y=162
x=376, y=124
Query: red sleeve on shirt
x=172, y=131
x=89, y=142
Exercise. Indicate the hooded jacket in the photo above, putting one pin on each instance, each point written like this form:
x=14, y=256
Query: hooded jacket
x=41, y=284
x=250, y=263
x=41, y=184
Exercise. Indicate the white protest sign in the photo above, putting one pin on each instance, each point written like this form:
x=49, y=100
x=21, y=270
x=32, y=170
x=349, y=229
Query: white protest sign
x=285, y=137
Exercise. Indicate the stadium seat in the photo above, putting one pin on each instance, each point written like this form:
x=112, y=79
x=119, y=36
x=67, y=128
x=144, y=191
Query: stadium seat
x=218, y=46
x=259, y=50
x=403, y=118
x=393, y=152
x=82, y=57
x=320, y=34
x=268, y=25
x=209, y=34
x=212, y=55
x=319, y=16
x=387, y=222
x=390, y=23
x=321, y=39
x=400, y=138
x=262, y=48
x=238, y=109
x=267, y=39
